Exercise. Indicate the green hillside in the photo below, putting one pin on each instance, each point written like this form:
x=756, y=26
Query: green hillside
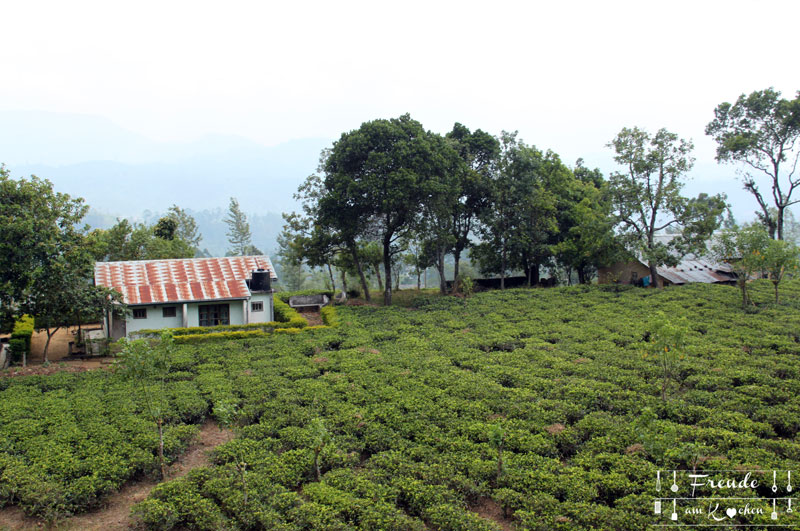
x=411, y=409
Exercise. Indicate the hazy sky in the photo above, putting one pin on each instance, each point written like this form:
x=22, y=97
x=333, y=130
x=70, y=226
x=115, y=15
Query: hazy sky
x=567, y=75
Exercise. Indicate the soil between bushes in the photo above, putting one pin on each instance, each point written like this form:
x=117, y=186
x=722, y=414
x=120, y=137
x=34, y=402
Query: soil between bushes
x=116, y=510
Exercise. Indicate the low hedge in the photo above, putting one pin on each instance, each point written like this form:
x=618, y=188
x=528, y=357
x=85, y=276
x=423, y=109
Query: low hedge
x=20, y=342
x=200, y=338
x=329, y=317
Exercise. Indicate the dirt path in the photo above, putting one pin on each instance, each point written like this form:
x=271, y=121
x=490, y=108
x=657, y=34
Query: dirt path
x=490, y=510
x=115, y=513
x=313, y=318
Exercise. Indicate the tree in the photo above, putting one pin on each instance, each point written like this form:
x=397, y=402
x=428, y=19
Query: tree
x=238, y=231
x=37, y=225
x=147, y=366
x=762, y=131
x=186, y=226
x=479, y=152
x=744, y=250
x=518, y=224
x=378, y=176
x=647, y=199
x=779, y=257
x=165, y=228
x=416, y=259
x=586, y=235
x=125, y=241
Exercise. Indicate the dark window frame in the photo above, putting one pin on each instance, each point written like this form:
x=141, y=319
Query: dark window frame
x=169, y=311
x=214, y=314
x=257, y=306
x=139, y=313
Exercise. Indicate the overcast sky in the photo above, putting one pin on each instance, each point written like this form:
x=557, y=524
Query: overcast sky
x=567, y=75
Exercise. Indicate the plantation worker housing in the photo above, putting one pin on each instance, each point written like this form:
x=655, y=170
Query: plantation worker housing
x=188, y=292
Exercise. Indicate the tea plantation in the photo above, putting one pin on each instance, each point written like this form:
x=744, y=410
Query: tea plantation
x=545, y=405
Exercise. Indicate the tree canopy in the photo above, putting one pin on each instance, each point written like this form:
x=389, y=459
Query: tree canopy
x=761, y=130
x=647, y=197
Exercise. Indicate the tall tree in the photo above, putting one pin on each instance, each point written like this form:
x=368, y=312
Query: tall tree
x=381, y=174
x=45, y=256
x=479, y=152
x=586, y=225
x=647, y=197
x=762, y=131
x=517, y=227
x=36, y=225
x=239, y=237
x=186, y=226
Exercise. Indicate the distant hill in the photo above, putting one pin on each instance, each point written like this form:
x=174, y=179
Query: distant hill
x=122, y=173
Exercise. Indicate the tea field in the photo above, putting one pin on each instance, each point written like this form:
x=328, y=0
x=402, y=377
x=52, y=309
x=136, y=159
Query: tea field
x=523, y=409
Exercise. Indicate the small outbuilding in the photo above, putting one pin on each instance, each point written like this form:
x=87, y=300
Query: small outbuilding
x=185, y=292
x=690, y=269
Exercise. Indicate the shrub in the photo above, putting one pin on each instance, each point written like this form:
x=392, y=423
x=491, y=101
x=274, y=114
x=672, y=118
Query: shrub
x=20, y=342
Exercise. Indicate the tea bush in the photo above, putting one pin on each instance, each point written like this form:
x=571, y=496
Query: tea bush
x=412, y=400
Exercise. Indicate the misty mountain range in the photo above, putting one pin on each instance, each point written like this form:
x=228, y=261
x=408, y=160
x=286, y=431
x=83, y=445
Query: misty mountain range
x=124, y=174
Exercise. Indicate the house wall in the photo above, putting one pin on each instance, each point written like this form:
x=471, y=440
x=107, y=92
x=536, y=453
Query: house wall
x=155, y=318
x=624, y=271
x=268, y=314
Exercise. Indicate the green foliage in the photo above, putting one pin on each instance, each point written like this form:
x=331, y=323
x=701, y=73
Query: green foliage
x=329, y=316
x=744, y=250
x=762, y=130
x=647, y=198
x=780, y=257
x=667, y=345
x=413, y=400
x=138, y=241
x=20, y=340
x=239, y=238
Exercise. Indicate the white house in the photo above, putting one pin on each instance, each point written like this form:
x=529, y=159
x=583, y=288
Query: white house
x=189, y=292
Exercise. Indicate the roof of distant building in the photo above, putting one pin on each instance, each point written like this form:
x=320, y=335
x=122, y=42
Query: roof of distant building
x=181, y=279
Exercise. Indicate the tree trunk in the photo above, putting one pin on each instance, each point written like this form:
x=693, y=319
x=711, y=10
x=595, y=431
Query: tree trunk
x=440, y=269
x=419, y=278
x=378, y=272
x=743, y=285
x=397, y=281
x=364, y=286
x=503, y=267
x=780, y=221
x=344, y=281
x=581, y=275
x=777, y=301
x=456, y=260
x=654, y=280
x=330, y=273
x=161, y=449
x=387, y=268
x=47, y=343
x=535, y=272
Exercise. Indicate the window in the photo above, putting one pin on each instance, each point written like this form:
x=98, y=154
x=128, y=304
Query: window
x=140, y=313
x=168, y=311
x=257, y=307
x=214, y=315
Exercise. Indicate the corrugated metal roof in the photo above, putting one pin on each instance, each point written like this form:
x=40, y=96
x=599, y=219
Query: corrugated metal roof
x=693, y=269
x=181, y=280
